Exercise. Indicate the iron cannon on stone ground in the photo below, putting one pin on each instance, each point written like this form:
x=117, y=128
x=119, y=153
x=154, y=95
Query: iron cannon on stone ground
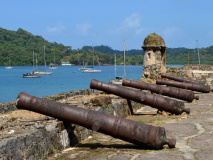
x=179, y=79
x=163, y=90
x=153, y=100
x=144, y=135
x=199, y=87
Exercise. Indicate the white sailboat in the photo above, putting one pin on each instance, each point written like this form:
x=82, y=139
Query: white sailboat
x=31, y=75
x=119, y=79
x=84, y=67
x=91, y=70
x=9, y=67
x=53, y=66
x=43, y=72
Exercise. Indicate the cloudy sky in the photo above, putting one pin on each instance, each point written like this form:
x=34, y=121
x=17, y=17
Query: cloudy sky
x=109, y=22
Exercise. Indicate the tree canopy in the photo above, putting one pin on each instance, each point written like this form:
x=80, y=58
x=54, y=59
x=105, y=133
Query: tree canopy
x=16, y=47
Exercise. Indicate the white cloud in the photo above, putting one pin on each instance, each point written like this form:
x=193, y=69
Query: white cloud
x=130, y=25
x=132, y=21
x=172, y=32
x=210, y=33
x=56, y=30
x=83, y=29
x=139, y=31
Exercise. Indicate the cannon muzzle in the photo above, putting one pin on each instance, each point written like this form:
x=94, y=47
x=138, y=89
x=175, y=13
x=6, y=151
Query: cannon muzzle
x=163, y=90
x=153, y=100
x=144, y=135
x=199, y=87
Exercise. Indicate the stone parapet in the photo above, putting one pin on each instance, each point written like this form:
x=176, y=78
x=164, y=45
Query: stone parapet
x=37, y=138
x=7, y=107
x=202, y=73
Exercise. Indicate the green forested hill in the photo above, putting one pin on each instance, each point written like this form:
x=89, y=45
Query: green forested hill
x=185, y=56
x=18, y=46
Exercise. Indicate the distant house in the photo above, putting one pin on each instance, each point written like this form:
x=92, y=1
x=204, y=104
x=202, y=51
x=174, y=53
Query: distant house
x=66, y=63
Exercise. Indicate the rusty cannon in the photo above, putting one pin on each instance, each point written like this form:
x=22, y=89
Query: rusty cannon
x=144, y=135
x=179, y=79
x=163, y=90
x=185, y=85
x=153, y=100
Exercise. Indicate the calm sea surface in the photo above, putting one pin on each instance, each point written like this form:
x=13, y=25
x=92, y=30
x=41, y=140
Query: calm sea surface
x=64, y=79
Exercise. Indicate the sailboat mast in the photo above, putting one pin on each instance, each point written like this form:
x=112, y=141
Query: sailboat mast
x=33, y=60
x=124, y=62
x=36, y=61
x=93, y=56
x=54, y=58
x=115, y=66
x=198, y=53
x=44, y=58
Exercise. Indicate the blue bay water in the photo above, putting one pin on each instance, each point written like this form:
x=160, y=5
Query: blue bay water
x=62, y=80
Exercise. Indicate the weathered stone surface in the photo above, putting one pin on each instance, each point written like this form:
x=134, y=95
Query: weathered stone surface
x=203, y=73
x=101, y=100
x=7, y=107
x=151, y=72
x=32, y=144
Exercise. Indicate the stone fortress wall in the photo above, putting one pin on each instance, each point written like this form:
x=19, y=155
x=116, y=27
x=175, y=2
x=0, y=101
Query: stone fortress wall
x=202, y=73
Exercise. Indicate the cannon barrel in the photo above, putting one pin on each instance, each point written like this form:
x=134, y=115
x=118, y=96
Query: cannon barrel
x=164, y=75
x=153, y=100
x=144, y=135
x=185, y=85
x=163, y=90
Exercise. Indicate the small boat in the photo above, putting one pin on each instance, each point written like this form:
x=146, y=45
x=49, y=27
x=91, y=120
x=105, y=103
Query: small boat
x=84, y=68
x=90, y=69
x=53, y=65
x=119, y=79
x=43, y=72
x=31, y=75
x=9, y=67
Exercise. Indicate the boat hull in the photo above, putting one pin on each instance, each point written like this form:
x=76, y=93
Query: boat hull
x=53, y=67
x=116, y=82
x=8, y=67
x=30, y=76
x=91, y=71
x=43, y=73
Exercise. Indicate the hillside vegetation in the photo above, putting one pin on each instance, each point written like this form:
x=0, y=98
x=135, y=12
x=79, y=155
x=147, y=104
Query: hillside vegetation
x=16, y=47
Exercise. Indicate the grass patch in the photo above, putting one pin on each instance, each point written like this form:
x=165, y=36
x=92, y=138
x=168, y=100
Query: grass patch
x=142, y=121
x=150, y=121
